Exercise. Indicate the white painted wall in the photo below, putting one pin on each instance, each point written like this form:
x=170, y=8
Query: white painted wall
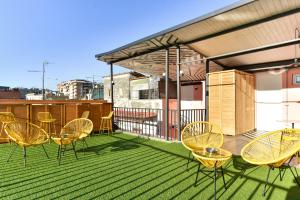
x=275, y=106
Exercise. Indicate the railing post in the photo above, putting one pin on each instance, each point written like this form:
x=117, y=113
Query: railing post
x=178, y=68
x=167, y=95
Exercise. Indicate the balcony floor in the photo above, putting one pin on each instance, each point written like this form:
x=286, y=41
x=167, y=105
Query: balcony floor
x=126, y=167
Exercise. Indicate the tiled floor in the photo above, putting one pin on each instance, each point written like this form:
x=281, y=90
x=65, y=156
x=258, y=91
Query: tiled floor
x=235, y=144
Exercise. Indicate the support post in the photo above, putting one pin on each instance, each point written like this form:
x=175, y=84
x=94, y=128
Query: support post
x=206, y=90
x=167, y=95
x=178, y=69
x=112, y=93
x=43, y=84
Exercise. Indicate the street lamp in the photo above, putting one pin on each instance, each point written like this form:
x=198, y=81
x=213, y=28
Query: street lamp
x=43, y=79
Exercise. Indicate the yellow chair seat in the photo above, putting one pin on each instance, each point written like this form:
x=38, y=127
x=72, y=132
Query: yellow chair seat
x=83, y=135
x=211, y=160
x=273, y=148
x=64, y=141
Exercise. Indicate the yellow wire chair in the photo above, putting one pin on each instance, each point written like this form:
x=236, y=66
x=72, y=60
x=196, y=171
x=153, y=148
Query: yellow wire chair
x=5, y=118
x=85, y=114
x=199, y=135
x=70, y=133
x=25, y=135
x=46, y=121
x=273, y=149
x=212, y=158
x=87, y=128
x=106, y=123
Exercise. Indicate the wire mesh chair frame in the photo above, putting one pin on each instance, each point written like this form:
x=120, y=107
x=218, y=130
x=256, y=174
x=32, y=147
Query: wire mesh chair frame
x=25, y=135
x=273, y=149
x=199, y=135
x=70, y=133
x=213, y=161
x=86, y=131
x=5, y=118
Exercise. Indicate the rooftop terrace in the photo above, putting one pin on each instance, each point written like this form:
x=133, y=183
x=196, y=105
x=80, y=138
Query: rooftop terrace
x=121, y=166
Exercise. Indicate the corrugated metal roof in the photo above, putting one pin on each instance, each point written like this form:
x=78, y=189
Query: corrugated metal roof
x=244, y=25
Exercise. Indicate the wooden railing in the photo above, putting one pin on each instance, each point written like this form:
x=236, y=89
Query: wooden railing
x=61, y=110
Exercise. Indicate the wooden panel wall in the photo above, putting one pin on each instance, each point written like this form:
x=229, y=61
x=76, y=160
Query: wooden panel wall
x=231, y=101
x=62, y=112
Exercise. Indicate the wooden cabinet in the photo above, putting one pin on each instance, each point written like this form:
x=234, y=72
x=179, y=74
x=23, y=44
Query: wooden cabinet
x=232, y=101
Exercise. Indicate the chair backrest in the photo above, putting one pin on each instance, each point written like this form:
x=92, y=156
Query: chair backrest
x=272, y=148
x=77, y=127
x=6, y=117
x=44, y=116
x=110, y=114
x=26, y=133
x=85, y=114
x=201, y=134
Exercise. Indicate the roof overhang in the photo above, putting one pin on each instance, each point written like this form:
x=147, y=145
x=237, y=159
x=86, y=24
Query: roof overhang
x=239, y=27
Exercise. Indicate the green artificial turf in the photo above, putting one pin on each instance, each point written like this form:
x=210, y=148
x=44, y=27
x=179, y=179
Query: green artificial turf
x=127, y=167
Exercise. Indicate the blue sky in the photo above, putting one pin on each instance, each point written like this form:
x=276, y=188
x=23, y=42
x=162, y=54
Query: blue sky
x=69, y=33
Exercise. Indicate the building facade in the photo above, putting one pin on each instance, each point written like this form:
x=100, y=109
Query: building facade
x=80, y=89
x=135, y=90
x=8, y=93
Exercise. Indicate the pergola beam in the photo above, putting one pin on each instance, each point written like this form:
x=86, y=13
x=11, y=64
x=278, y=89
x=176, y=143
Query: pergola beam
x=266, y=65
x=256, y=49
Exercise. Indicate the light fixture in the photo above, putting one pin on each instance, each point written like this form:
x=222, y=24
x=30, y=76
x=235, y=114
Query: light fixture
x=296, y=62
x=181, y=73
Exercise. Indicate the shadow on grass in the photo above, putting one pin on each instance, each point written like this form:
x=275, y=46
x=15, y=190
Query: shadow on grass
x=293, y=192
x=119, y=145
x=240, y=164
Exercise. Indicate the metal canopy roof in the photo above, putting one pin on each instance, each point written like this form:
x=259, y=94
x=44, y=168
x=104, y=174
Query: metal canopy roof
x=243, y=25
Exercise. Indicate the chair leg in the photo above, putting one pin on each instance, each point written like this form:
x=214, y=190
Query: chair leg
x=54, y=128
x=58, y=151
x=24, y=156
x=84, y=144
x=266, y=183
x=45, y=151
x=223, y=178
x=59, y=154
x=74, y=150
x=191, y=159
x=101, y=122
x=295, y=176
x=111, y=126
x=11, y=153
x=197, y=175
x=215, y=181
x=280, y=175
x=187, y=164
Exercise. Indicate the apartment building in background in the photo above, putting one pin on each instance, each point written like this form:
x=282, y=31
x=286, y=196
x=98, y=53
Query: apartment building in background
x=80, y=89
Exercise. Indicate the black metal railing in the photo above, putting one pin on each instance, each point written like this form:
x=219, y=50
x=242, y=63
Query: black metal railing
x=151, y=122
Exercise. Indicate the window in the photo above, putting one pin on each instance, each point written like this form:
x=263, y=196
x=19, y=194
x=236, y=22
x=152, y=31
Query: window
x=148, y=94
x=296, y=79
